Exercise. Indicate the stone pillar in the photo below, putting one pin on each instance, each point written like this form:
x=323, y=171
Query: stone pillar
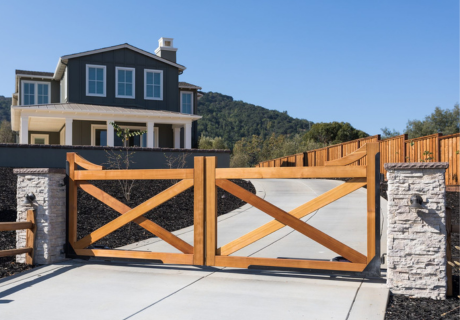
x=416, y=238
x=50, y=206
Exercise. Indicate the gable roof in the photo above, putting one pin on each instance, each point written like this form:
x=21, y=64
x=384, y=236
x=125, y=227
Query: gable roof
x=186, y=85
x=64, y=59
x=34, y=73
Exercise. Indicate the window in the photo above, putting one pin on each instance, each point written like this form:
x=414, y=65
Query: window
x=186, y=102
x=39, y=138
x=125, y=82
x=95, y=80
x=34, y=92
x=153, y=84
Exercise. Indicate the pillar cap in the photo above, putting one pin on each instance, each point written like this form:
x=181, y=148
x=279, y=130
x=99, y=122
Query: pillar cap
x=38, y=170
x=416, y=165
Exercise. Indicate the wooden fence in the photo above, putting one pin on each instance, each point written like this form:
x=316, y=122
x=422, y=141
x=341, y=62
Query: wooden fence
x=31, y=227
x=432, y=148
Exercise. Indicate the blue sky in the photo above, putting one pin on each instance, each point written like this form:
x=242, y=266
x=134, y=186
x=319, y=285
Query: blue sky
x=370, y=63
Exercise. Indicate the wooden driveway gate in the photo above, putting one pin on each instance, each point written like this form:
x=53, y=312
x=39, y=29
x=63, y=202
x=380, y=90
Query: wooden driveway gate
x=189, y=177
x=205, y=178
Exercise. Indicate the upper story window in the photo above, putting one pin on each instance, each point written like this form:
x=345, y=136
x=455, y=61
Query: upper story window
x=125, y=82
x=34, y=92
x=186, y=102
x=153, y=84
x=95, y=80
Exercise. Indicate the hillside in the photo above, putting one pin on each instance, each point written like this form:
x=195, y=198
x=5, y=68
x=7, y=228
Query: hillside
x=5, y=104
x=233, y=120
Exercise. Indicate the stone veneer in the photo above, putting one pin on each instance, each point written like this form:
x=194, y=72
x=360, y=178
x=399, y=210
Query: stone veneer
x=50, y=207
x=416, y=244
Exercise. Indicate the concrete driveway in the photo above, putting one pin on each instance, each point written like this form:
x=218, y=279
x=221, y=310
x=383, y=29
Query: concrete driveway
x=109, y=290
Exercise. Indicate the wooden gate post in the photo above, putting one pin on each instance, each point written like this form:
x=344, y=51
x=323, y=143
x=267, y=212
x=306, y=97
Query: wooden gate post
x=198, y=210
x=72, y=227
x=211, y=211
x=373, y=198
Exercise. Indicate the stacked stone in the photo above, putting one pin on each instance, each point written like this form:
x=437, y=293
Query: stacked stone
x=416, y=244
x=50, y=209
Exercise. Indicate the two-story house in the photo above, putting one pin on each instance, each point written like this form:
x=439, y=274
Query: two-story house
x=136, y=89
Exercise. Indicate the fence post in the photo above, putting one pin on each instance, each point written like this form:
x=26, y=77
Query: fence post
x=72, y=222
x=30, y=236
x=198, y=210
x=211, y=211
x=373, y=198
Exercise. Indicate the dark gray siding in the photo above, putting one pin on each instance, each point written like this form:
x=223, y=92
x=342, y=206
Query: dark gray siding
x=123, y=58
x=165, y=135
x=81, y=132
x=29, y=156
x=55, y=89
x=53, y=136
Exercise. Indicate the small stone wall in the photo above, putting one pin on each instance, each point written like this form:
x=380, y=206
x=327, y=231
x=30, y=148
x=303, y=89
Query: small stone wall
x=416, y=244
x=50, y=206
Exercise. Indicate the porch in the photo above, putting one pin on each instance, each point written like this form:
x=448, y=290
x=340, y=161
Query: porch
x=78, y=124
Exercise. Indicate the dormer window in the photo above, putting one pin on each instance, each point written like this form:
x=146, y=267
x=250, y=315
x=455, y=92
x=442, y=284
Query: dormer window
x=153, y=84
x=35, y=92
x=186, y=102
x=125, y=82
x=95, y=80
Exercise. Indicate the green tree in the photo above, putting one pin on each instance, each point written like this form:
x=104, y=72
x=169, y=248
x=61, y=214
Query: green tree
x=387, y=133
x=211, y=143
x=6, y=134
x=333, y=132
x=440, y=121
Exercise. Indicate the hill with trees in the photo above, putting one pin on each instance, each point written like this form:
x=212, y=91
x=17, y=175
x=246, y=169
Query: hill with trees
x=233, y=120
x=5, y=104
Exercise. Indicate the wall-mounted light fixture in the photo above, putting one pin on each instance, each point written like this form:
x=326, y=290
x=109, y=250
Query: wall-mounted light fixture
x=416, y=202
x=30, y=197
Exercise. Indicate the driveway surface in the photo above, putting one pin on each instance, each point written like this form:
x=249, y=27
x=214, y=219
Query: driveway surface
x=110, y=290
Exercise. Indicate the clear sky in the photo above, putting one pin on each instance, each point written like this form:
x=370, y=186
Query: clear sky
x=370, y=63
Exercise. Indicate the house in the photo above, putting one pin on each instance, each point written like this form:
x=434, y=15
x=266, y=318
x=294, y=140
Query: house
x=136, y=89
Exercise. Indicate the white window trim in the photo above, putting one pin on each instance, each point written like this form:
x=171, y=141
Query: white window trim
x=40, y=136
x=87, y=80
x=145, y=84
x=35, y=83
x=181, y=92
x=137, y=128
x=116, y=83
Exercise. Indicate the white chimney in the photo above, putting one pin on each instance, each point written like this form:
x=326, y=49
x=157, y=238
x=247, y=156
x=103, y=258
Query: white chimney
x=166, y=49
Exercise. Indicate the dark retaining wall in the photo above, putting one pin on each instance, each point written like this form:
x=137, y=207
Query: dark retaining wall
x=54, y=156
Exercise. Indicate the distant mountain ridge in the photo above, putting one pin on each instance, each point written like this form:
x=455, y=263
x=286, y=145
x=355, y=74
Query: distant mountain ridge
x=233, y=120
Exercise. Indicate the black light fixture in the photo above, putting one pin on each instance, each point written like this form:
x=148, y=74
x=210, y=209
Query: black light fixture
x=416, y=202
x=30, y=197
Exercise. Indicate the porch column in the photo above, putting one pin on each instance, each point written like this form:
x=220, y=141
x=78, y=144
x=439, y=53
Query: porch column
x=188, y=135
x=150, y=134
x=68, y=132
x=24, y=130
x=110, y=134
x=176, y=129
